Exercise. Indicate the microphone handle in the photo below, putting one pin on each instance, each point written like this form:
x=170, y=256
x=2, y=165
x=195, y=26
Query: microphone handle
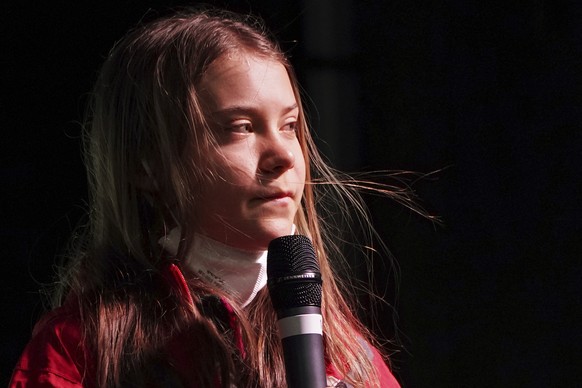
x=301, y=336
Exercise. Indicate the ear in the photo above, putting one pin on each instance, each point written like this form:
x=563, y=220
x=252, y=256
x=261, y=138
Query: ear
x=145, y=179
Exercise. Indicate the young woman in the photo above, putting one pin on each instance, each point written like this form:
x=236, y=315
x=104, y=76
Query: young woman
x=198, y=155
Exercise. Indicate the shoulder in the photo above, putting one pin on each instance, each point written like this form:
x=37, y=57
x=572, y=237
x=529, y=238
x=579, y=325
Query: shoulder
x=55, y=355
x=387, y=379
x=385, y=376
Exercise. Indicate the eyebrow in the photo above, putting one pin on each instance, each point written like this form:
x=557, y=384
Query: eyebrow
x=237, y=109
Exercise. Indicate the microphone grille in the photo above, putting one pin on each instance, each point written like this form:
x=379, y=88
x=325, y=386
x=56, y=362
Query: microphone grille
x=290, y=255
x=293, y=273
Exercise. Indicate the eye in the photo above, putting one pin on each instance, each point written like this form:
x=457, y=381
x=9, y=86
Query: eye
x=245, y=127
x=290, y=127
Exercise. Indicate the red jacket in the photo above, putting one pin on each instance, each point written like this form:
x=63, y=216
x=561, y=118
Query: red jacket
x=56, y=356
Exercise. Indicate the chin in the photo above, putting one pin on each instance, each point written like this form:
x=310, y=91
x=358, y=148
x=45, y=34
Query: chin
x=267, y=233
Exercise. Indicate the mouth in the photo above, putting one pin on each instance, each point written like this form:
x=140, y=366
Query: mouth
x=275, y=195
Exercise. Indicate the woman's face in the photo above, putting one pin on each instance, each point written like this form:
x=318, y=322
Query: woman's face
x=258, y=167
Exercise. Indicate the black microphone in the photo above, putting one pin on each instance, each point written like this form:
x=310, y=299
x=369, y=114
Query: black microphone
x=294, y=283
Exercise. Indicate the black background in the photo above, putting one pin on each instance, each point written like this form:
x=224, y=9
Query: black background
x=489, y=92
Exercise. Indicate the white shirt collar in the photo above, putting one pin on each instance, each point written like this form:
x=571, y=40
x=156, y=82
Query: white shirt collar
x=240, y=273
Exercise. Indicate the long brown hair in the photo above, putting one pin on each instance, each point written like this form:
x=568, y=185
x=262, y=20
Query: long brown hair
x=146, y=137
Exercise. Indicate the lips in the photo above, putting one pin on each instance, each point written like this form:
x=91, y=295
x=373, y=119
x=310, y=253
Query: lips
x=274, y=195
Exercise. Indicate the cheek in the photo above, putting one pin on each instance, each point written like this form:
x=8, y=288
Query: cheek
x=220, y=179
x=231, y=168
x=300, y=164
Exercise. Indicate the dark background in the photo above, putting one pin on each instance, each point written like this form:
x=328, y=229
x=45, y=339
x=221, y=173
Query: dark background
x=490, y=93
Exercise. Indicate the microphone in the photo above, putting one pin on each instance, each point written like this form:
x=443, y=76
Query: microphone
x=294, y=284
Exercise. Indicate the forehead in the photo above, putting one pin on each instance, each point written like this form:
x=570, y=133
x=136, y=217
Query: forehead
x=240, y=78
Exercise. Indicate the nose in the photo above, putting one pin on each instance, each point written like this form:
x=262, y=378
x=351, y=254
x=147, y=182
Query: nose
x=276, y=156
